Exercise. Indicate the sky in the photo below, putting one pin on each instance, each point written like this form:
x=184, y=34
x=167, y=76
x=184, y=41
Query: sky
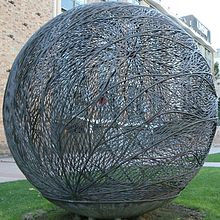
x=207, y=12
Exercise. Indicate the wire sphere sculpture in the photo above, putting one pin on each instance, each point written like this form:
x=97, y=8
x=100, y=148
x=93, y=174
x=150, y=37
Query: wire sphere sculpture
x=110, y=110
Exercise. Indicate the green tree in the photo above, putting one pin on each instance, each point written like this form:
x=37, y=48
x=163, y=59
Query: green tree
x=216, y=68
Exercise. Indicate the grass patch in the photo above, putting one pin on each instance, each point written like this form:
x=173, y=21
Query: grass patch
x=213, y=158
x=203, y=193
x=20, y=198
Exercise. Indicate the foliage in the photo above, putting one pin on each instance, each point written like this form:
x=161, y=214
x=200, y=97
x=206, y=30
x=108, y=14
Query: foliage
x=218, y=110
x=216, y=68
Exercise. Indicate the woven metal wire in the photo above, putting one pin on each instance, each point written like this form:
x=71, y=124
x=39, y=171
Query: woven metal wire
x=110, y=109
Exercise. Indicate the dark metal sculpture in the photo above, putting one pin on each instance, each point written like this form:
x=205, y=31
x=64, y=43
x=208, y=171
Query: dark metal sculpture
x=110, y=110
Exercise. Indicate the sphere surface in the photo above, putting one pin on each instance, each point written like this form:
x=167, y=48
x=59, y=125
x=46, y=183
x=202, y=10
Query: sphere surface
x=110, y=110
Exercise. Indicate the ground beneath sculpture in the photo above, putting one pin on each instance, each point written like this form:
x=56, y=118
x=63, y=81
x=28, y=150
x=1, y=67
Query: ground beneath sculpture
x=169, y=212
x=173, y=212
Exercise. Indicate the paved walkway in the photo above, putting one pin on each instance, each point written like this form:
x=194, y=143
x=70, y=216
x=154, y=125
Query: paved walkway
x=215, y=149
x=211, y=164
x=10, y=172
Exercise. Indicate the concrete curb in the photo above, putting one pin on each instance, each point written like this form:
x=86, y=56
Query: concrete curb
x=211, y=164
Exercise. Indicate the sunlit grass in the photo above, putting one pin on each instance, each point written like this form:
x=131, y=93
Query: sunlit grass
x=203, y=193
x=213, y=158
x=20, y=197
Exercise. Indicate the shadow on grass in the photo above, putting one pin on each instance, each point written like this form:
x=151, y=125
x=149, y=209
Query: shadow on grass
x=168, y=212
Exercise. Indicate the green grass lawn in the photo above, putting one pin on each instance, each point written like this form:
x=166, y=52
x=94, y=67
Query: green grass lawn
x=203, y=193
x=19, y=198
x=213, y=158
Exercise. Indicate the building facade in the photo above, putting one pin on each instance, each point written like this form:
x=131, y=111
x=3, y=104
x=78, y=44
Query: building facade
x=217, y=56
x=217, y=76
x=204, y=32
x=190, y=23
x=197, y=26
x=19, y=19
x=68, y=4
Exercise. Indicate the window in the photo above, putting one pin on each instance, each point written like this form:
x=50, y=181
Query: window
x=69, y=4
x=134, y=2
x=66, y=5
x=79, y=2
